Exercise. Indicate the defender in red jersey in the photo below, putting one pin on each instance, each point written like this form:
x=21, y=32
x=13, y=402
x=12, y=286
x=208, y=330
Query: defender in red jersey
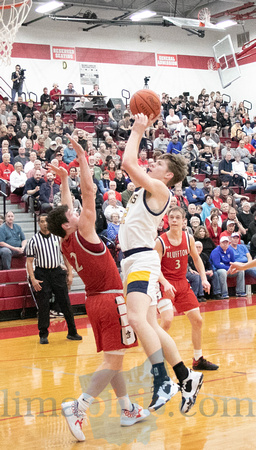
x=105, y=304
x=173, y=248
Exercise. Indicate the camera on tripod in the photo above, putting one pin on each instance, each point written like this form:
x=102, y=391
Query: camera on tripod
x=22, y=73
x=146, y=80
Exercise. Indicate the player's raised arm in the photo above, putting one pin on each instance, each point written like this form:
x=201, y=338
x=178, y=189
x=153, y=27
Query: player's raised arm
x=65, y=193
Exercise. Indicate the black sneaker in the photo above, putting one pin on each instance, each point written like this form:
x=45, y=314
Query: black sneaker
x=163, y=392
x=203, y=364
x=44, y=340
x=74, y=337
x=217, y=297
x=201, y=299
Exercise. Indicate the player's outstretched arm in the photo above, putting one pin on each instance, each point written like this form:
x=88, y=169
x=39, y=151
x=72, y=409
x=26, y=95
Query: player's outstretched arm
x=65, y=193
x=130, y=158
x=238, y=266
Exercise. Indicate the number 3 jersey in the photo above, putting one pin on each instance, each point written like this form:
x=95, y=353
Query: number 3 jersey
x=175, y=257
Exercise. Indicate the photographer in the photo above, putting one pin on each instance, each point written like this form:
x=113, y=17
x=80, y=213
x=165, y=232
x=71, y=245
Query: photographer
x=17, y=79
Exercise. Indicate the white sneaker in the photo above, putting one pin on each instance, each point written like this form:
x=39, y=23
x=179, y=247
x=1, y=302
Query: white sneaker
x=74, y=418
x=135, y=415
x=163, y=393
x=189, y=390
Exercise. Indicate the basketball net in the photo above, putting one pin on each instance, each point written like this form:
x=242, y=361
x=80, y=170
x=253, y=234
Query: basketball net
x=12, y=14
x=204, y=17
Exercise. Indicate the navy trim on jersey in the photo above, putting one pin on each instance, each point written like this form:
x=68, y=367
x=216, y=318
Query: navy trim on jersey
x=149, y=210
x=162, y=243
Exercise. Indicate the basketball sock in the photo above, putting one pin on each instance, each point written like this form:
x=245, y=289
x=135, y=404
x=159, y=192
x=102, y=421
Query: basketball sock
x=159, y=371
x=198, y=354
x=84, y=401
x=181, y=371
x=125, y=402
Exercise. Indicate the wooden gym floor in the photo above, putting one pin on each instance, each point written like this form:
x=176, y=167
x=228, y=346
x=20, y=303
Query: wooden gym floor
x=36, y=378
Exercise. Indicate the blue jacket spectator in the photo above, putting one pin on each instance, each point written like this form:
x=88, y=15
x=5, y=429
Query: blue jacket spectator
x=193, y=193
x=221, y=259
x=69, y=154
x=174, y=146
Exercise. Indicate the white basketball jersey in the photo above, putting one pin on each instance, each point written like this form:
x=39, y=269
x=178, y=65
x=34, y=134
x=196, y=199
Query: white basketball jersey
x=139, y=224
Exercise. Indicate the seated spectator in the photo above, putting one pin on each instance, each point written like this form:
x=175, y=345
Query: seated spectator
x=252, y=228
x=213, y=228
x=193, y=193
x=113, y=227
x=245, y=217
x=5, y=149
x=209, y=142
x=120, y=181
x=192, y=212
x=125, y=126
x=243, y=152
x=55, y=93
x=11, y=137
x=191, y=156
x=115, y=115
x=113, y=207
x=212, y=277
x=100, y=223
x=227, y=148
x=31, y=191
x=143, y=161
x=182, y=127
x=74, y=182
x=104, y=182
x=12, y=241
x=181, y=200
x=217, y=201
x=207, y=206
x=47, y=192
x=196, y=284
x=160, y=127
x=194, y=223
x=201, y=234
x=242, y=254
x=126, y=195
x=225, y=191
x=239, y=172
x=111, y=169
x=69, y=154
x=230, y=229
x=225, y=168
x=50, y=152
x=30, y=164
x=247, y=128
x=206, y=160
x=174, y=146
x=18, y=179
x=5, y=172
x=207, y=187
x=225, y=123
x=232, y=215
x=220, y=259
x=21, y=157
x=37, y=166
x=236, y=132
x=112, y=187
x=45, y=99
x=172, y=120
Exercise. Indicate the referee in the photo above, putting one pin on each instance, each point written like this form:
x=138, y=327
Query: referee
x=48, y=277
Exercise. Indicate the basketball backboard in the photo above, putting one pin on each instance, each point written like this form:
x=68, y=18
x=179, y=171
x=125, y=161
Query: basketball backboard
x=228, y=68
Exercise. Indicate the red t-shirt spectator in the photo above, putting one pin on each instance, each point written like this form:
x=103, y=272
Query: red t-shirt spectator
x=117, y=194
x=5, y=171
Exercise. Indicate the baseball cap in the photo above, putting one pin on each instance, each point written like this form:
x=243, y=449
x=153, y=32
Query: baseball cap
x=224, y=238
x=235, y=234
x=193, y=179
x=189, y=136
x=100, y=118
x=184, y=117
x=53, y=143
x=229, y=222
x=57, y=115
x=207, y=180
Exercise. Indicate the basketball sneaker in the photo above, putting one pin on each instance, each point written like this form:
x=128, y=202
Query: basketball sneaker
x=135, y=415
x=74, y=418
x=162, y=393
x=189, y=390
x=203, y=364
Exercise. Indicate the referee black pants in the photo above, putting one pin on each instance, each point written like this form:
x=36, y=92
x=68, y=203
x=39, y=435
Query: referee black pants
x=54, y=281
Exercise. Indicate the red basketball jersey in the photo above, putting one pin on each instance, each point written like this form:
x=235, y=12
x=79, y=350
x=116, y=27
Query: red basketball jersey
x=175, y=258
x=93, y=263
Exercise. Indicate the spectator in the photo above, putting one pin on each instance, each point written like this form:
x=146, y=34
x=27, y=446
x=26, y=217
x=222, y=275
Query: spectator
x=201, y=234
x=252, y=228
x=31, y=191
x=194, y=222
x=120, y=181
x=55, y=93
x=226, y=149
x=69, y=153
x=207, y=187
x=243, y=152
x=18, y=179
x=47, y=192
x=113, y=207
x=30, y=164
x=174, y=145
x=225, y=168
x=181, y=200
x=143, y=161
x=242, y=254
x=112, y=187
x=115, y=115
x=21, y=157
x=233, y=217
x=221, y=257
x=74, y=182
x=214, y=229
x=12, y=241
x=5, y=172
x=207, y=206
x=113, y=226
x=230, y=224
x=217, y=201
x=193, y=193
x=212, y=277
x=37, y=166
x=192, y=212
x=126, y=195
x=161, y=142
x=111, y=168
x=50, y=152
x=245, y=217
x=172, y=120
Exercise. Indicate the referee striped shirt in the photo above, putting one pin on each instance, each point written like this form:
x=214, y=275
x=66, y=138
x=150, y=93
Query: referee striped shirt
x=45, y=249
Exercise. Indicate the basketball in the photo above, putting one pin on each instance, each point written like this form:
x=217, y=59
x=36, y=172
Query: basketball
x=145, y=101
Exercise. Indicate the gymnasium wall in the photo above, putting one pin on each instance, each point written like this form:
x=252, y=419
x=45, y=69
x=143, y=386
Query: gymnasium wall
x=123, y=61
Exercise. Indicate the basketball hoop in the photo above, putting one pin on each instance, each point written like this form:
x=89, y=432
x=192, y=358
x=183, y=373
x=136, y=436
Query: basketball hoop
x=204, y=17
x=212, y=64
x=12, y=15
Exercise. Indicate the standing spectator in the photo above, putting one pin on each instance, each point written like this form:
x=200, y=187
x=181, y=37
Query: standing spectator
x=17, y=80
x=12, y=241
x=221, y=257
x=48, y=278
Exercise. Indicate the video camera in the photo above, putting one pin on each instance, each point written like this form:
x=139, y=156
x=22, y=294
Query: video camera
x=146, y=80
x=22, y=73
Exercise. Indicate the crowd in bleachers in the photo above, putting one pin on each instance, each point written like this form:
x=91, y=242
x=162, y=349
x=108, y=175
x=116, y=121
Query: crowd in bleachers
x=218, y=140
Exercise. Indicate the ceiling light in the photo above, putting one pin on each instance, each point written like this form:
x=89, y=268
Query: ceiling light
x=142, y=15
x=50, y=6
x=226, y=24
